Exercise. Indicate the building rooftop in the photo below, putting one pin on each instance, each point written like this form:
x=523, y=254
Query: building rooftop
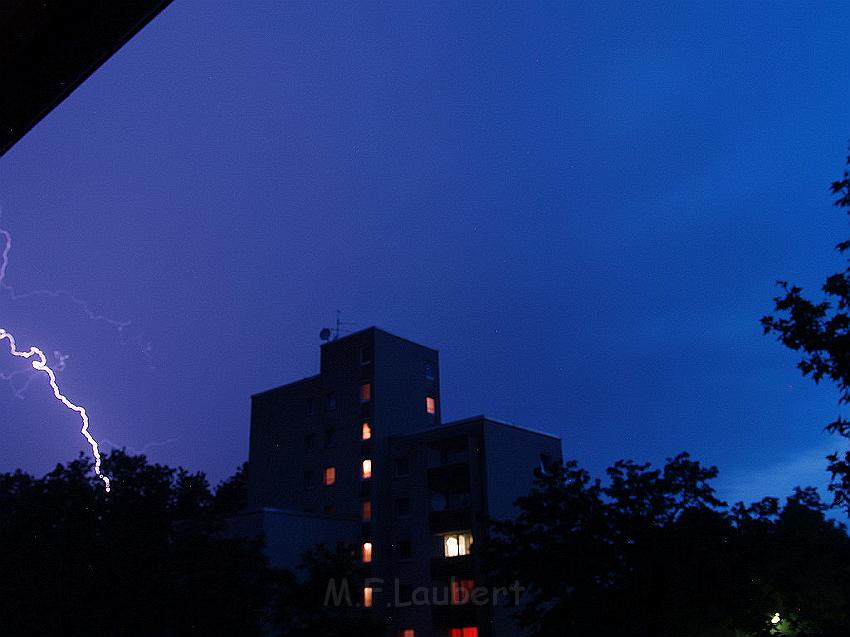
x=487, y=422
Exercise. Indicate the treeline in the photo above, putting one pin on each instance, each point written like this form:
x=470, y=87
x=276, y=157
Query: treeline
x=649, y=552
x=654, y=553
x=149, y=559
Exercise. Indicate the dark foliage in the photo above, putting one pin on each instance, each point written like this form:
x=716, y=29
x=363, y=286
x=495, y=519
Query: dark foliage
x=305, y=606
x=655, y=553
x=820, y=331
x=148, y=559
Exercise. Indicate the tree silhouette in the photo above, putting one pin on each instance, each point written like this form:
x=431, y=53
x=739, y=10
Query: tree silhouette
x=820, y=330
x=655, y=553
x=151, y=558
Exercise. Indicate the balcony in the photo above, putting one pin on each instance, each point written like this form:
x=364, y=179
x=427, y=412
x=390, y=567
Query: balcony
x=452, y=520
x=453, y=477
x=459, y=615
x=460, y=566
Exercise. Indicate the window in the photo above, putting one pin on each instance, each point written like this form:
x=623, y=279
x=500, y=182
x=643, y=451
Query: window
x=467, y=631
x=462, y=591
x=405, y=593
x=330, y=437
x=457, y=544
x=330, y=476
x=366, y=470
x=429, y=372
x=365, y=430
x=367, y=597
x=439, y=502
x=407, y=632
x=365, y=392
x=365, y=355
x=457, y=501
x=402, y=507
x=308, y=479
x=404, y=550
x=366, y=511
x=430, y=405
x=330, y=402
x=402, y=467
x=367, y=552
x=309, y=442
x=456, y=456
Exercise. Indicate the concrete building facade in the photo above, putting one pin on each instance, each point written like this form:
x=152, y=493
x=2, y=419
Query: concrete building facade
x=359, y=454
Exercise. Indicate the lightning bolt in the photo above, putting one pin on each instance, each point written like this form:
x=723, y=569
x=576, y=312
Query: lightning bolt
x=40, y=365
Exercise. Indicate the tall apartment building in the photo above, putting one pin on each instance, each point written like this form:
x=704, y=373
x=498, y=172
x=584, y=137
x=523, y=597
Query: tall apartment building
x=358, y=453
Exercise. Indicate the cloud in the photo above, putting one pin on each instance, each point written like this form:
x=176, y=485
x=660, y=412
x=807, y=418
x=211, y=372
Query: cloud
x=805, y=468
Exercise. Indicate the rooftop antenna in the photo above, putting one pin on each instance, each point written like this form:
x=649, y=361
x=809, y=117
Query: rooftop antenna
x=331, y=334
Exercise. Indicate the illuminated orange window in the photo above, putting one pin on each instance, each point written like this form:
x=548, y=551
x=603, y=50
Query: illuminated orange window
x=430, y=405
x=367, y=551
x=462, y=591
x=467, y=631
x=330, y=475
x=365, y=430
x=366, y=511
x=407, y=632
x=367, y=598
x=365, y=392
x=367, y=469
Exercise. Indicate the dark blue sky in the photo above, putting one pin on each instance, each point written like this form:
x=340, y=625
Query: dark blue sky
x=583, y=207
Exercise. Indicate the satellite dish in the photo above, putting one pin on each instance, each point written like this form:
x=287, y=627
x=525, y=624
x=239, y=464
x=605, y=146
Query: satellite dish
x=325, y=334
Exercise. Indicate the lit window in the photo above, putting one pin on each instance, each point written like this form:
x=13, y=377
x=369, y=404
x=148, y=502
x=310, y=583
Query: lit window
x=430, y=405
x=366, y=511
x=367, y=551
x=462, y=591
x=367, y=596
x=367, y=469
x=365, y=430
x=365, y=392
x=468, y=631
x=407, y=632
x=330, y=475
x=457, y=544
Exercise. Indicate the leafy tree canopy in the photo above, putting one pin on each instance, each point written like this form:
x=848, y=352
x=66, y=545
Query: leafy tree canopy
x=654, y=552
x=820, y=331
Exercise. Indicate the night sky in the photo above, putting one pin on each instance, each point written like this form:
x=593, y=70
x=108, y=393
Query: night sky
x=584, y=207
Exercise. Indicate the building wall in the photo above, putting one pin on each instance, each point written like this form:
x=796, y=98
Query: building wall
x=289, y=535
x=511, y=455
